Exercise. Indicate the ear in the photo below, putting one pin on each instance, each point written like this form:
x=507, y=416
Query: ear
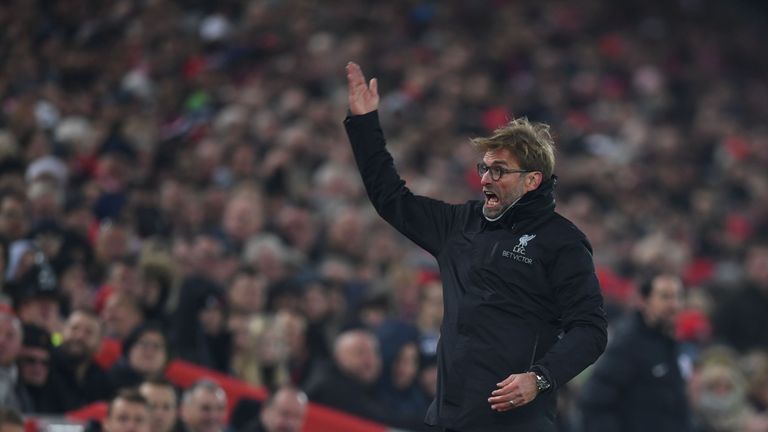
x=533, y=180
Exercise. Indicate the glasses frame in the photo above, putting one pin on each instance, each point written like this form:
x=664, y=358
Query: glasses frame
x=497, y=172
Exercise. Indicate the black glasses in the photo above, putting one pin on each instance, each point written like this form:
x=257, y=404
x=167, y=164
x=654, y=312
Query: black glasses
x=497, y=171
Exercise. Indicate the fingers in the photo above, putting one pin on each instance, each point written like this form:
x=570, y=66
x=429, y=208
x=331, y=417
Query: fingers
x=374, y=86
x=512, y=393
x=506, y=402
x=354, y=75
x=507, y=381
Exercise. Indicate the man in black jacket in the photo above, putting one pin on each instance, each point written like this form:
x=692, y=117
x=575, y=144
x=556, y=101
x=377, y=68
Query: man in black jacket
x=637, y=385
x=523, y=309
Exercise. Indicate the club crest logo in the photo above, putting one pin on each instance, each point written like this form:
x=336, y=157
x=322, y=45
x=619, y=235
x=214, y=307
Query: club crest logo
x=523, y=243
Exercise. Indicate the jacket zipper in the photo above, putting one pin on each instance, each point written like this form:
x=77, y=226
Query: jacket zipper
x=535, y=346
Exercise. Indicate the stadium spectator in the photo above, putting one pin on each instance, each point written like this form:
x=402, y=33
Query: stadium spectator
x=163, y=405
x=204, y=407
x=40, y=390
x=741, y=318
x=128, y=412
x=284, y=411
x=638, y=384
x=10, y=345
x=145, y=356
x=85, y=381
x=349, y=383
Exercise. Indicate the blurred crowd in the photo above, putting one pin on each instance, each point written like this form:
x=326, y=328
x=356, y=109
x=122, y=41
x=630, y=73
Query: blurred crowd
x=175, y=180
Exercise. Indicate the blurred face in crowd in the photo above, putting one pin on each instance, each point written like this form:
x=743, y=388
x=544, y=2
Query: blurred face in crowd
x=81, y=336
x=148, y=355
x=293, y=327
x=34, y=365
x=242, y=216
x=357, y=354
x=247, y=293
x=163, y=406
x=405, y=366
x=205, y=410
x=112, y=242
x=41, y=311
x=121, y=314
x=13, y=218
x=502, y=193
x=757, y=266
x=10, y=339
x=127, y=416
x=285, y=412
x=663, y=304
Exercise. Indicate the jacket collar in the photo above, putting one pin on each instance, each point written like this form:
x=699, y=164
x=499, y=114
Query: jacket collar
x=535, y=203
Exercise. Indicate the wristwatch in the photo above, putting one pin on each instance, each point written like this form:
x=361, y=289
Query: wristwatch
x=541, y=382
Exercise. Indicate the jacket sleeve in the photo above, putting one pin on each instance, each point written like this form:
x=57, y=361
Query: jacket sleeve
x=580, y=302
x=612, y=375
x=425, y=221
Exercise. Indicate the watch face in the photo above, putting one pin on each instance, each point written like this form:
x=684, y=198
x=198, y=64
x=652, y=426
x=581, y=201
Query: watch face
x=541, y=382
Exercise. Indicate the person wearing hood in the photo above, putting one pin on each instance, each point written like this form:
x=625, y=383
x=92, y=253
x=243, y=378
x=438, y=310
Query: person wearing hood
x=40, y=389
x=523, y=308
x=145, y=356
x=198, y=331
x=398, y=387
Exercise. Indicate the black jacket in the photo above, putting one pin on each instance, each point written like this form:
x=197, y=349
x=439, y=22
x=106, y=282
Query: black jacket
x=637, y=384
x=512, y=301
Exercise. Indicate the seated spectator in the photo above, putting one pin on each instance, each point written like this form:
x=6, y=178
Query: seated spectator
x=10, y=420
x=122, y=313
x=742, y=317
x=398, y=388
x=204, y=407
x=283, y=411
x=145, y=355
x=10, y=345
x=85, y=381
x=198, y=329
x=128, y=412
x=39, y=389
x=259, y=355
x=163, y=405
x=719, y=398
x=348, y=384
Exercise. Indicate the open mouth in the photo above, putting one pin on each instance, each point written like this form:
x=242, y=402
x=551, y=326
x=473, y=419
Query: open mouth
x=491, y=199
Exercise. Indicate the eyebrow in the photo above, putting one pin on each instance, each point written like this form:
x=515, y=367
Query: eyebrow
x=498, y=162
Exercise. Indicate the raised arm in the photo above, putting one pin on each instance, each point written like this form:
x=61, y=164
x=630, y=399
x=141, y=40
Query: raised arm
x=425, y=221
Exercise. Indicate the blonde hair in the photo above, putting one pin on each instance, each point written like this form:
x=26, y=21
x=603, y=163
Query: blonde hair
x=530, y=143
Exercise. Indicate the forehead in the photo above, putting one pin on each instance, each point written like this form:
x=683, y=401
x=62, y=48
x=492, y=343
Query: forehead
x=79, y=318
x=7, y=324
x=667, y=286
x=158, y=392
x=499, y=156
x=122, y=406
x=208, y=396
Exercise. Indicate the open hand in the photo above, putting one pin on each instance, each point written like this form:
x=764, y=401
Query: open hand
x=363, y=98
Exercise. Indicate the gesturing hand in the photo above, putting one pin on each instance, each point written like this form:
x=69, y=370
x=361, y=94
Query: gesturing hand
x=515, y=391
x=362, y=98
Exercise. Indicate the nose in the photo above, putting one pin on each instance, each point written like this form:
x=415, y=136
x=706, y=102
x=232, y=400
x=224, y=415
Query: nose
x=486, y=179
